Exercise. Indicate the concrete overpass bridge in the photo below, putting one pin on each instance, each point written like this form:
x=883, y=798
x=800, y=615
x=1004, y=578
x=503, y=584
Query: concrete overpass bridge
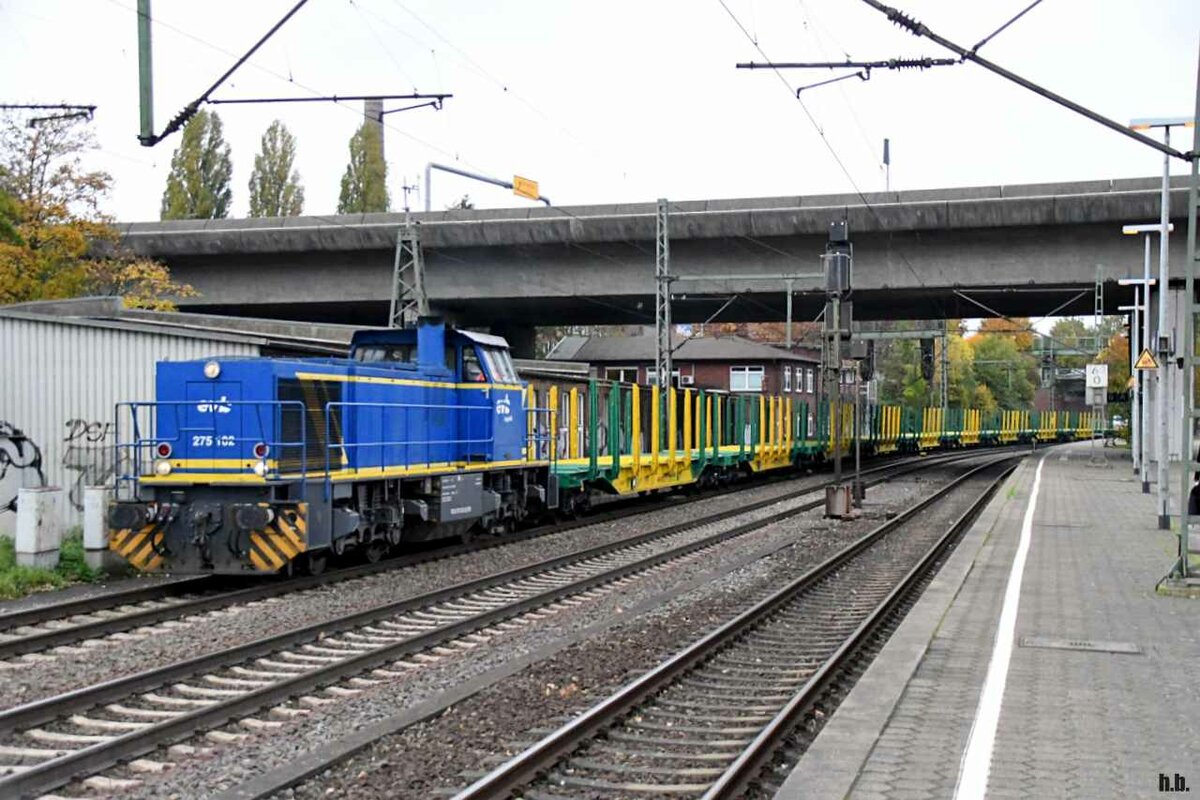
x=918, y=254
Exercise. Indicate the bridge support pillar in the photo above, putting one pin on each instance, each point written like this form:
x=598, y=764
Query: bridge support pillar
x=522, y=339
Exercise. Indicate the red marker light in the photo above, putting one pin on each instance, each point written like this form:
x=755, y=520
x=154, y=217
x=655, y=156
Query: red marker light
x=261, y=450
x=163, y=449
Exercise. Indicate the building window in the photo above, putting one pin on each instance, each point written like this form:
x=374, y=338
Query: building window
x=745, y=379
x=787, y=379
x=808, y=379
x=623, y=374
x=652, y=376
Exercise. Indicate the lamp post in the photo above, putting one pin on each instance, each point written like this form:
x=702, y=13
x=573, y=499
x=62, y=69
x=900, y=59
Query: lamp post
x=1160, y=391
x=1163, y=342
x=1138, y=406
x=1140, y=412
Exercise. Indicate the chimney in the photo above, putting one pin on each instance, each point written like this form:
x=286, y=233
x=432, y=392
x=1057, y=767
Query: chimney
x=373, y=113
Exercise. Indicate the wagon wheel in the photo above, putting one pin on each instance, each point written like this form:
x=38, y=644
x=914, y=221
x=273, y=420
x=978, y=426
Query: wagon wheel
x=375, y=551
x=314, y=563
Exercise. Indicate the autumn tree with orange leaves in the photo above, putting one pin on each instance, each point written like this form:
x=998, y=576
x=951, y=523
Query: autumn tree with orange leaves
x=55, y=241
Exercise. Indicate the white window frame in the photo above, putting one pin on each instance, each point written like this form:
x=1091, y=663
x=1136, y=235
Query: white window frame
x=746, y=375
x=652, y=376
x=618, y=373
x=787, y=379
x=809, y=375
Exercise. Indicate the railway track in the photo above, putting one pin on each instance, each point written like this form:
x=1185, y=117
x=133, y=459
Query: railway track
x=89, y=620
x=48, y=743
x=41, y=628
x=705, y=722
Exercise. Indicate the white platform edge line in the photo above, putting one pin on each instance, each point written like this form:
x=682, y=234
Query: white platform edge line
x=977, y=757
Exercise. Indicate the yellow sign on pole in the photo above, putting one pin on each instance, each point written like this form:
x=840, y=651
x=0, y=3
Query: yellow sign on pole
x=523, y=187
x=1146, y=361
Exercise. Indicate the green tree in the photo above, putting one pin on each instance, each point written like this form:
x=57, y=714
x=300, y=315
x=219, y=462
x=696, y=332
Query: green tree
x=54, y=240
x=364, y=186
x=983, y=399
x=961, y=356
x=275, y=189
x=1019, y=328
x=9, y=218
x=1004, y=369
x=1069, y=333
x=1116, y=355
x=198, y=183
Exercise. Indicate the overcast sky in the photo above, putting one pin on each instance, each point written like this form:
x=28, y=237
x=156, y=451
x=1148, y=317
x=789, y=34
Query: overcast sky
x=621, y=100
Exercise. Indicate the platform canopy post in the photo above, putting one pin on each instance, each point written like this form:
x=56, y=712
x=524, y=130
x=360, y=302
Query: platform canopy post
x=1189, y=462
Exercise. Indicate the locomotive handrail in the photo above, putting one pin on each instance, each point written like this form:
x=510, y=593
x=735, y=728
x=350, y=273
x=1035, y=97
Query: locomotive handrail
x=550, y=438
x=139, y=442
x=331, y=446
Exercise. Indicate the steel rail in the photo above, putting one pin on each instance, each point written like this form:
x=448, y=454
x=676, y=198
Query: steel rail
x=535, y=760
x=38, y=615
x=753, y=758
x=58, y=771
x=43, y=640
x=41, y=615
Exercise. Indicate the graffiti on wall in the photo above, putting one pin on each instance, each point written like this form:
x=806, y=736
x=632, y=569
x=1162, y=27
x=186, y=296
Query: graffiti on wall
x=20, y=463
x=88, y=452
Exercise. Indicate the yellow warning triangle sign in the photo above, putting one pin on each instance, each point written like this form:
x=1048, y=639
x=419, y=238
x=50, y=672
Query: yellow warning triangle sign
x=1146, y=361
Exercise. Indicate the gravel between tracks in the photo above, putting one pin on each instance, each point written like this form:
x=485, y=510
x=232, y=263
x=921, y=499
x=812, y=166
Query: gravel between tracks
x=113, y=657
x=447, y=752
x=439, y=749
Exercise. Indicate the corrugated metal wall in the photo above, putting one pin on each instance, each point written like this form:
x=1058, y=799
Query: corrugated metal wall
x=59, y=384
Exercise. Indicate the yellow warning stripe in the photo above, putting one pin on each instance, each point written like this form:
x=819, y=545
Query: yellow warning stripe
x=284, y=545
x=259, y=563
x=138, y=547
x=262, y=555
x=117, y=538
x=285, y=533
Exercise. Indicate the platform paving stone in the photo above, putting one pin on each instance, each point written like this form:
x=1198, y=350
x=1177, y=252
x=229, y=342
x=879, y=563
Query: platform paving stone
x=1073, y=723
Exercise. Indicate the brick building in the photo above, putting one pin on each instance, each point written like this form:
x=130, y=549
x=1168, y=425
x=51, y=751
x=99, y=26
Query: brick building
x=726, y=363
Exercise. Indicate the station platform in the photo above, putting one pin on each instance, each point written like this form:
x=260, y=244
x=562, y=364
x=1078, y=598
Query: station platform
x=1078, y=680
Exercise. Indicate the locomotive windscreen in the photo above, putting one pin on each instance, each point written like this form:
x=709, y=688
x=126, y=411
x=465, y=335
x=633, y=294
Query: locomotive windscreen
x=314, y=395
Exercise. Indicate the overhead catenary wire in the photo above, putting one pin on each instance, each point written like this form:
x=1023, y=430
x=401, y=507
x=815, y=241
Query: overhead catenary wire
x=503, y=85
x=1001, y=29
x=902, y=20
x=71, y=111
x=825, y=139
x=811, y=24
x=864, y=67
x=191, y=108
x=267, y=70
x=387, y=51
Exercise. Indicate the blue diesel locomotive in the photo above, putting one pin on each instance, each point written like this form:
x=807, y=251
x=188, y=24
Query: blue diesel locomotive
x=254, y=464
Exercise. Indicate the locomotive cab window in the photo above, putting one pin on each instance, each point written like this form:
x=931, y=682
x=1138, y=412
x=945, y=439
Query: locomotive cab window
x=472, y=371
x=499, y=364
x=377, y=353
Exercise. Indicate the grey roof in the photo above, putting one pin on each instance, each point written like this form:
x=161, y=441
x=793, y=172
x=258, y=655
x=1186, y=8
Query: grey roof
x=631, y=349
x=109, y=312
x=484, y=338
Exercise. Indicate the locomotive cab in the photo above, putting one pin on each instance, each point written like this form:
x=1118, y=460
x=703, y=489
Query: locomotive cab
x=480, y=366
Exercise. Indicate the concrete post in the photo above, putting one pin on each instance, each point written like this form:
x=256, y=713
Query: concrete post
x=1145, y=380
x=39, y=532
x=1164, y=493
x=95, y=527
